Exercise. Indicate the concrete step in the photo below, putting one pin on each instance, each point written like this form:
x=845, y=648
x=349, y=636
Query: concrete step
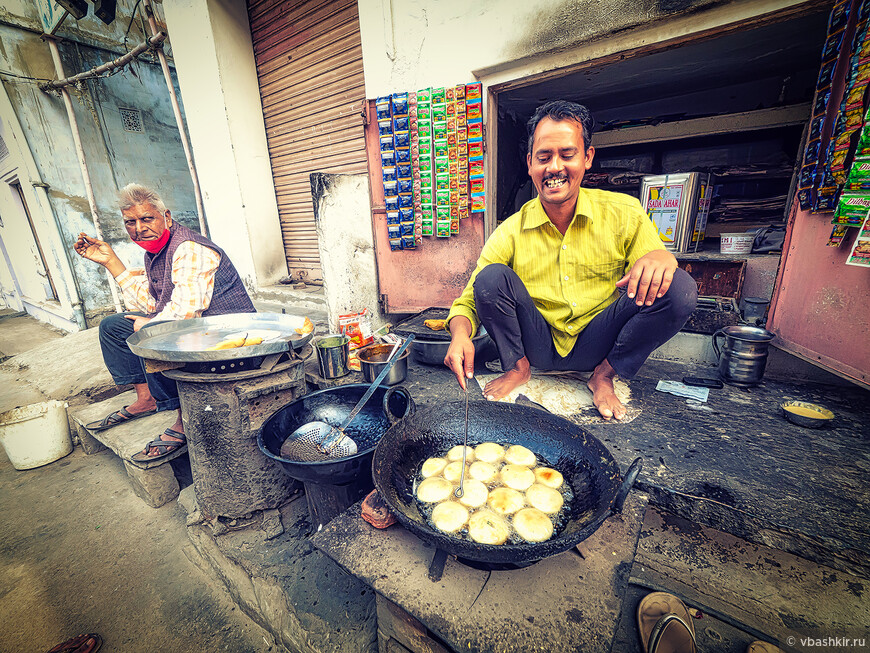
x=153, y=482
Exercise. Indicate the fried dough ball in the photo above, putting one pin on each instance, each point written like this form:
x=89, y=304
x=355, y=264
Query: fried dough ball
x=489, y=452
x=474, y=493
x=456, y=454
x=519, y=455
x=487, y=527
x=433, y=467
x=517, y=477
x=545, y=499
x=453, y=470
x=449, y=516
x=483, y=472
x=434, y=489
x=549, y=477
x=506, y=501
x=533, y=525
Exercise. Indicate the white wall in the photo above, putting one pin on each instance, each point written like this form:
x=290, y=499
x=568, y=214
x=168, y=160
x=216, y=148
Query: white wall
x=413, y=44
x=217, y=76
x=346, y=245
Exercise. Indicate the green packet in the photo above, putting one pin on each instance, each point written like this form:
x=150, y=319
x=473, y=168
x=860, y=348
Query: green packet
x=853, y=205
x=860, y=170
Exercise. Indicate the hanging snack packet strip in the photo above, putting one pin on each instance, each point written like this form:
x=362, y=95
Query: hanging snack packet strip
x=384, y=111
x=474, y=112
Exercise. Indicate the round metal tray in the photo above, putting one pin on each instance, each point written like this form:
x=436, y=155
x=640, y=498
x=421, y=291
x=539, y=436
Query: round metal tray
x=185, y=341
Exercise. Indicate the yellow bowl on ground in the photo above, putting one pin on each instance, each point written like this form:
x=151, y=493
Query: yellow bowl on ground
x=802, y=413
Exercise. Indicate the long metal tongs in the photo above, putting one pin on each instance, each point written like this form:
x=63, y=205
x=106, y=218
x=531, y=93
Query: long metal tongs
x=460, y=491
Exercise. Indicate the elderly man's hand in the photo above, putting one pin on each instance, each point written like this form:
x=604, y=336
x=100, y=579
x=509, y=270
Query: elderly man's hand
x=650, y=277
x=100, y=252
x=138, y=321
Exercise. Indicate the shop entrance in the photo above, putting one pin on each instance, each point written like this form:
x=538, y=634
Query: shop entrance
x=732, y=105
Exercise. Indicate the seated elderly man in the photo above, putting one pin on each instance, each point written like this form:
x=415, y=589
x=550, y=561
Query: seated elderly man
x=578, y=279
x=186, y=276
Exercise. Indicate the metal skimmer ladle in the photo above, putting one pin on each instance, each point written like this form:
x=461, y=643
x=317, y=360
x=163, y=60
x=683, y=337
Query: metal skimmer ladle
x=458, y=492
x=318, y=440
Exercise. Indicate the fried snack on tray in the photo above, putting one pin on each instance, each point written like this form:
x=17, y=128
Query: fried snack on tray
x=436, y=325
x=235, y=343
x=307, y=327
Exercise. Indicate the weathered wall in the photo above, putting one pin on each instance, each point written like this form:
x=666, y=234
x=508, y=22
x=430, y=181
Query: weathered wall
x=218, y=78
x=410, y=44
x=346, y=243
x=115, y=157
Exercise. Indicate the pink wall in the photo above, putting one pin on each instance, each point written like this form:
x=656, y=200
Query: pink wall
x=821, y=306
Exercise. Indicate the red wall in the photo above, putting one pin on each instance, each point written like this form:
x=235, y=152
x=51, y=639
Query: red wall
x=821, y=306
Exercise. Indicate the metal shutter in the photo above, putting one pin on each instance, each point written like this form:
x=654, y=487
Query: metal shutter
x=310, y=70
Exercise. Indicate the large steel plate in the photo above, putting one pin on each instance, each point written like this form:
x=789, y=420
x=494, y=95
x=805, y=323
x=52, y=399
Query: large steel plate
x=185, y=341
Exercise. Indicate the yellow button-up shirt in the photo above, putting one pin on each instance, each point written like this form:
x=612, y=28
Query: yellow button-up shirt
x=571, y=278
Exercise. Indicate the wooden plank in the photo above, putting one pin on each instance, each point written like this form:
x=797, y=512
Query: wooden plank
x=744, y=121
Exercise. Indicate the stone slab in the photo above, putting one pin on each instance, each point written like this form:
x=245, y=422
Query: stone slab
x=130, y=438
x=563, y=603
x=307, y=602
x=736, y=464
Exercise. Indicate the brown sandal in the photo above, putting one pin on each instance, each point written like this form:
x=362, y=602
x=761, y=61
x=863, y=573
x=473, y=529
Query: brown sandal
x=87, y=643
x=763, y=647
x=665, y=624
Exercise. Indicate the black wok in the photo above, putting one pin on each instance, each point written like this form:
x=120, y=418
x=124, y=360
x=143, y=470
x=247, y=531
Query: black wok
x=332, y=406
x=599, y=490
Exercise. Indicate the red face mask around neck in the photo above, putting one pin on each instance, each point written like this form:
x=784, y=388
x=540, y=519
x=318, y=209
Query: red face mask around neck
x=154, y=246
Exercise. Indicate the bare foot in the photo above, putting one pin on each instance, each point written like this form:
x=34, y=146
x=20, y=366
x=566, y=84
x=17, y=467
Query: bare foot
x=603, y=394
x=509, y=381
x=141, y=406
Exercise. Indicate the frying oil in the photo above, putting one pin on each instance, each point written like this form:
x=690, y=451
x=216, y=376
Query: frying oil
x=560, y=519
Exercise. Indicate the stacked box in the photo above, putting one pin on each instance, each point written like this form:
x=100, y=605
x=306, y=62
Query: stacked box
x=441, y=167
x=474, y=126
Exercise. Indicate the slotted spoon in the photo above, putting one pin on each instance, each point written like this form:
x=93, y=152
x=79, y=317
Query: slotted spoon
x=318, y=440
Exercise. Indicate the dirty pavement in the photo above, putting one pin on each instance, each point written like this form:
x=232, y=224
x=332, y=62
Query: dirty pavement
x=728, y=513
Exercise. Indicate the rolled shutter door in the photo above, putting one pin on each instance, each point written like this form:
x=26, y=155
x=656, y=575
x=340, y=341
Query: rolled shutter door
x=310, y=70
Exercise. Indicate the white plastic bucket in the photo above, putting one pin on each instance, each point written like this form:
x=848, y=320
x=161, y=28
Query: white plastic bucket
x=35, y=435
x=736, y=243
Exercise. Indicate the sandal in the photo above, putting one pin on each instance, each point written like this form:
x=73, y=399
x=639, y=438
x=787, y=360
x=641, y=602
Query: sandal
x=665, y=625
x=118, y=417
x=164, y=447
x=759, y=646
x=88, y=643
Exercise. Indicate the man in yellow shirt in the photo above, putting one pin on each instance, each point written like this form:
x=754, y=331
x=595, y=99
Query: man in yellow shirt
x=578, y=279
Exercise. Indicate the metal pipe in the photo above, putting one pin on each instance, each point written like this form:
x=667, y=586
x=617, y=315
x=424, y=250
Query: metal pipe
x=151, y=44
x=176, y=109
x=83, y=164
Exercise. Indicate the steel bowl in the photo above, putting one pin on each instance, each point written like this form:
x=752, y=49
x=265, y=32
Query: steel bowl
x=433, y=352
x=816, y=416
x=373, y=359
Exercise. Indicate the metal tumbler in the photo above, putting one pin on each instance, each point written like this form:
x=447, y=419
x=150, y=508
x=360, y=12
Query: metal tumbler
x=333, y=351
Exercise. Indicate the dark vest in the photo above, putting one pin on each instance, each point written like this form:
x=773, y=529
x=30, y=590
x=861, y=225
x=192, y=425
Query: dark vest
x=229, y=294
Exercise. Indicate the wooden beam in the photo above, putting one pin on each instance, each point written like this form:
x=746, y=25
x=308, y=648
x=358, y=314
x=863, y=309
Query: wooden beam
x=795, y=114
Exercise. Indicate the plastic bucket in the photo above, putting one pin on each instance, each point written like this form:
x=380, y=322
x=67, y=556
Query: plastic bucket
x=736, y=243
x=35, y=435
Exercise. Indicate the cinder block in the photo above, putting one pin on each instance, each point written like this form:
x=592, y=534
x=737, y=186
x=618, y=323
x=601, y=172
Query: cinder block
x=155, y=486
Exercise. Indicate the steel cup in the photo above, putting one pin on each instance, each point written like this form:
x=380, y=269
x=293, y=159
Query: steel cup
x=333, y=351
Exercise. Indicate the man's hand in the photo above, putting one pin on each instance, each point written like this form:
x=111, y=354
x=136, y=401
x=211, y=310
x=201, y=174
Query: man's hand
x=460, y=354
x=100, y=252
x=650, y=277
x=138, y=321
